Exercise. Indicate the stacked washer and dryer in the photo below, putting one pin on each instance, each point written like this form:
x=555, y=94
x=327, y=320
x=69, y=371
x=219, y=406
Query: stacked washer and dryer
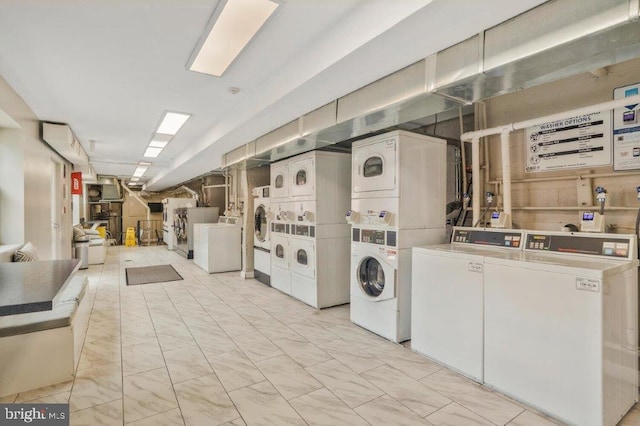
x=261, y=238
x=309, y=235
x=398, y=202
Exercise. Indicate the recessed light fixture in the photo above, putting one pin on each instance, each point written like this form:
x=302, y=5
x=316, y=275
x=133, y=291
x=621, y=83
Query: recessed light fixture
x=152, y=152
x=172, y=122
x=134, y=179
x=140, y=170
x=158, y=144
x=233, y=24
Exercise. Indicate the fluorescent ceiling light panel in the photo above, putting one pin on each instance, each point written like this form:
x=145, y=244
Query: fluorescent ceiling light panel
x=152, y=152
x=232, y=30
x=172, y=122
x=134, y=179
x=139, y=171
x=144, y=163
x=158, y=144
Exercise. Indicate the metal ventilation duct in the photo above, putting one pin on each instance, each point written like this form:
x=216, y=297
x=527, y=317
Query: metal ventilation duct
x=558, y=39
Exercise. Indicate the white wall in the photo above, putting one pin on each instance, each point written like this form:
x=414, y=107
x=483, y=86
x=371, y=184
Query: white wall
x=26, y=162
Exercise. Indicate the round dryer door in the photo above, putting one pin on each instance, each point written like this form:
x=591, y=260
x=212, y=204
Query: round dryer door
x=260, y=223
x=371, y=277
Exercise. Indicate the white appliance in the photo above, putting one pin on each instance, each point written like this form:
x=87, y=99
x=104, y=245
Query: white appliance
x=280, y=258
x=184, y=219
x=168, y=209
x=311, y=258
x=280, y=180
x=561, y=325
x=217, y=247
x=447, y=296
x=261, y=241
x=398, y=201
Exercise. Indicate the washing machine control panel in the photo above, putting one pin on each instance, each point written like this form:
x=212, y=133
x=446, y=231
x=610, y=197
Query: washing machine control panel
x=374, y=236
x=602, y=245
x=280, y=228
x=303, y=230
x=507, y=238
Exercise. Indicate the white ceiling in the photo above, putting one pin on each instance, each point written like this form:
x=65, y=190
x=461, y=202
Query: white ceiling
x=110, y=68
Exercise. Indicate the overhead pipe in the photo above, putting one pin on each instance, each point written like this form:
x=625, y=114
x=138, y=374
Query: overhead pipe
x=193, y=193
x=463, y=153
x=506, y=176
x=475, y=178
x=474, y=138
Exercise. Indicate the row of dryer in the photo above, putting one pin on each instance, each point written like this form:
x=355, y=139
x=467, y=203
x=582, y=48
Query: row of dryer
x=393, y=188
x=548, y=318
x=309, y=238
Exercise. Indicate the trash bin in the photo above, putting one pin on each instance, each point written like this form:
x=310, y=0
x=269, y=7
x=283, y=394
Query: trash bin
x=82, y=253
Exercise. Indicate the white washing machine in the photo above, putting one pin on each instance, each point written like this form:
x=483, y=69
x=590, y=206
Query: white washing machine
x=261, y=241
x=447, y=296
x=561, y=325
x=217, y=246
x=381, y=280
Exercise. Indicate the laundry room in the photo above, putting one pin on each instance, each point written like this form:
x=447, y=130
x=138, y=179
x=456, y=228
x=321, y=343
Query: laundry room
x=396, y=216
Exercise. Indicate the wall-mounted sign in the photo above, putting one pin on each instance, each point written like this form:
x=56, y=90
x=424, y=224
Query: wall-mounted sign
x=570, y=143
x=626, y=131
x=76, y=183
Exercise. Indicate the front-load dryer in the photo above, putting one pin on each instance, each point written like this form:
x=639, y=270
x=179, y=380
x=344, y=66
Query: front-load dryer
x=398, y=164
x=280, y=180
x=280, y=261
x=261, y=237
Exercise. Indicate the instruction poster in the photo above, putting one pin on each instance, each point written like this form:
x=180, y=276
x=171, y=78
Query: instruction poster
x=626, y=131
x=570, y=143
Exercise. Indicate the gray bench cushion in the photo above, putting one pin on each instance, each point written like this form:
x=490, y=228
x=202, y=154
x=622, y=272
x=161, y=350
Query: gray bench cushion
x=75, y=290
x=60, y=316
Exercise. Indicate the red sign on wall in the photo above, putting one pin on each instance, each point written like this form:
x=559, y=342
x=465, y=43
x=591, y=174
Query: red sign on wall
x=76, y=183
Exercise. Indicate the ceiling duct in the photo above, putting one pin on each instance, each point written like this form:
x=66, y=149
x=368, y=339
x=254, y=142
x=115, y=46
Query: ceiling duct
x=555, y=40
x=111, y=190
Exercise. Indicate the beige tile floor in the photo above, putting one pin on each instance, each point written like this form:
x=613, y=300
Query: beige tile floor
x=216, y=349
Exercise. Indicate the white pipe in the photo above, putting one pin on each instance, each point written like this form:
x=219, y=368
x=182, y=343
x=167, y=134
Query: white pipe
x=463, y=154
x=604, y=106
x=485, y=145
x=138, y=199
x=506, y=176
x=575, y=208
x=222, y=185
x=475, y=173
x=574, y=177
x=193, y=193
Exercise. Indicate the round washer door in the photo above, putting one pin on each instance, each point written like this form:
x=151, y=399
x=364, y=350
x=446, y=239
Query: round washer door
x=371, y=277
x=261, y=228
